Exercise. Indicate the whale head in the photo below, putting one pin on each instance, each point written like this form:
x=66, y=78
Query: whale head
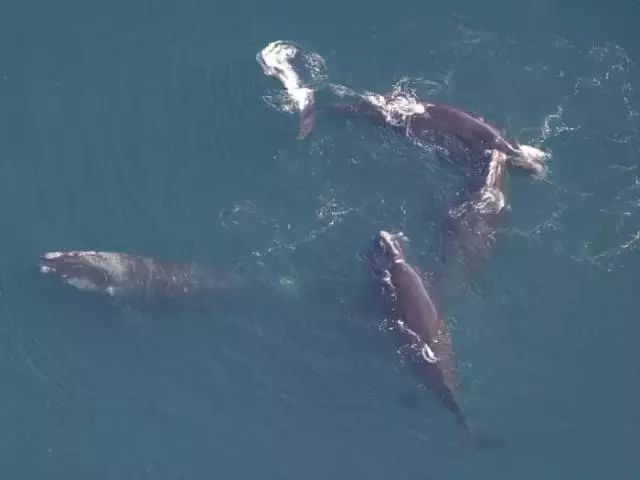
x=386, y=249
x=86, y=270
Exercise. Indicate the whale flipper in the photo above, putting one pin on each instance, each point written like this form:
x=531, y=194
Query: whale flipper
x=307, y=119
x=479, y=440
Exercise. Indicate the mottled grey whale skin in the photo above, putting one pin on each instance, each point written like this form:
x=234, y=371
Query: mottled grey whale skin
x=420, y=327
x=131, y=277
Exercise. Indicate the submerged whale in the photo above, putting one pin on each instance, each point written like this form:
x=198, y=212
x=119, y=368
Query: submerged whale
x=131, y=277
x=420, y=327
x=469, y=231
x=423, y=120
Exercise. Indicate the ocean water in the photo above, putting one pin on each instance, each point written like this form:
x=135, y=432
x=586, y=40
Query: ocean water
x=142, y=127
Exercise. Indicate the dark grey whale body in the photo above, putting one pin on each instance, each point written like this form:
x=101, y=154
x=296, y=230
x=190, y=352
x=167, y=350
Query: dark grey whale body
x=472, y=130
x=440, y=118
x=423, y=120
x=420, y=327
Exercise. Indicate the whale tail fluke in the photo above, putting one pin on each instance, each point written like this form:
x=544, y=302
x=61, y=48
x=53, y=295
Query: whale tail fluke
x=532, y=159
x=479, y=440
x=307, y=119
x=471, y=435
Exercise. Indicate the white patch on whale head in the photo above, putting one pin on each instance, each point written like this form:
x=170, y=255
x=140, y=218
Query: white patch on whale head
x=52, y=255
x=84, y=253
x=113, y=265
x=389, y=241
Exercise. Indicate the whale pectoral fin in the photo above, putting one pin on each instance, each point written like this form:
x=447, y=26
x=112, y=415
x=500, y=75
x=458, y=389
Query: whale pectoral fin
x=427, y=354
x=307, y=120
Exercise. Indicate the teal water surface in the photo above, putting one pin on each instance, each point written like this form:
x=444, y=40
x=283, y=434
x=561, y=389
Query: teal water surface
x=141, y=127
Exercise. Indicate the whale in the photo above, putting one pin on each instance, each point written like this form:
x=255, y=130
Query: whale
x=420, y=328
x=470, y=229
x=423, y=120
x=132, y=277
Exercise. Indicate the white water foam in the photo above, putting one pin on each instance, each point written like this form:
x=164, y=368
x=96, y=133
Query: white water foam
x=605, y=201
x=532, y=159
x=396, y=106
x=287, y=61
x=403, y=101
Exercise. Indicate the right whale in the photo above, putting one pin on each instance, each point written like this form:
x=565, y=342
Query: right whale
x=470, y=228
x=421, y=328
x=132, y=277
x=421, y=120
x=151, y=283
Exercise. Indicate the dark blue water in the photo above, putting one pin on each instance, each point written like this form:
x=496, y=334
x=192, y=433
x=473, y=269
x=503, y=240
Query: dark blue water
x=140, y=127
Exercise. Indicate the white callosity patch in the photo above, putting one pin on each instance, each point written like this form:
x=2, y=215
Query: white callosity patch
x=114, y=264
x=390, y=242
x=81, y=269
